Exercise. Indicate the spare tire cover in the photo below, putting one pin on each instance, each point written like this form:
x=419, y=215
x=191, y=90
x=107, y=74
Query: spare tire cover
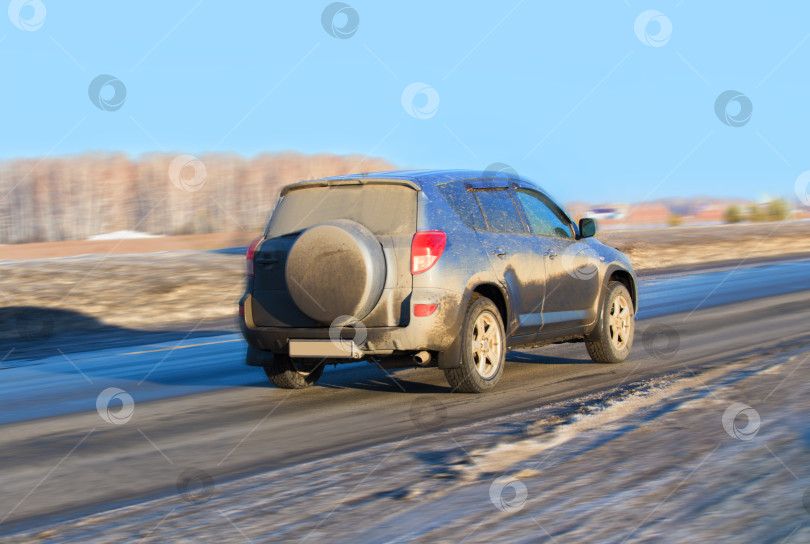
x=334, y=269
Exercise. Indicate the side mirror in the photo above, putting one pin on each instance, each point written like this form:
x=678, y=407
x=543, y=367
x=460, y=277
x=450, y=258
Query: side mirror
x=587, y=227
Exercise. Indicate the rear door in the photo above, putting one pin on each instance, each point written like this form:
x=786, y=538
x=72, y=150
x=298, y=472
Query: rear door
x=572, y=279
x=386, y=208
x=514, y=255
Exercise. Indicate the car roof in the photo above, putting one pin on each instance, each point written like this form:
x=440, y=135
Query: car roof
x=420, y=178
x=430, y=177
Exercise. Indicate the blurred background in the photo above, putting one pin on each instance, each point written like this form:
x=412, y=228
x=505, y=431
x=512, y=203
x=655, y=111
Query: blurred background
x=695, y=114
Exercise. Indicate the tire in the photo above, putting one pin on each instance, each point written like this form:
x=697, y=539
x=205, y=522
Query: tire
x=481, y=364
x=290, y=373
x=336, y=269
x=612, y=339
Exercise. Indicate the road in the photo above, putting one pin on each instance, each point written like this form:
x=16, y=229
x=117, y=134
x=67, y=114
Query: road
x=196, y=406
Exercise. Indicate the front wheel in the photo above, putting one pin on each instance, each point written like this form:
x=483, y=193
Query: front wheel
x=613, y=337
x=483, y=349
x=289, y=373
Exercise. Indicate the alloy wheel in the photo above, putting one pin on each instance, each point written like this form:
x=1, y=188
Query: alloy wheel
x=487, y=345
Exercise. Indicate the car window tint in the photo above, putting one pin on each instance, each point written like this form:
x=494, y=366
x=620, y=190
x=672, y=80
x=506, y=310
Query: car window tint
x=463, y=203
x=544, y=216
x=499, y=210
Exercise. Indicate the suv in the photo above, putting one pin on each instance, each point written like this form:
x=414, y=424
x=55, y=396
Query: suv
x=443, y=268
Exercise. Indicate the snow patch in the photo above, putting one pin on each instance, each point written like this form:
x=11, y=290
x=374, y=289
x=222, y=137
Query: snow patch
x=123, y=235
x=554, y=432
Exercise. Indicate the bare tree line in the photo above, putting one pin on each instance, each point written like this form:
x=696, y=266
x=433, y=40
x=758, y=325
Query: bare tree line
x=72, y=198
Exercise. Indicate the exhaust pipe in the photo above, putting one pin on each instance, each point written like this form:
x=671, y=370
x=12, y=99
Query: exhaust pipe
x=422, y=358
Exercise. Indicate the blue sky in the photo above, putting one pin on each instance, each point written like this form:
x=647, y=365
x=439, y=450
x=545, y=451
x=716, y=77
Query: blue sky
x=566, y=93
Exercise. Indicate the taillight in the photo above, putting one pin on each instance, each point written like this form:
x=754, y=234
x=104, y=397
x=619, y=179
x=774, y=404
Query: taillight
x=426, y=248
x=251, y=252
x=424, y=310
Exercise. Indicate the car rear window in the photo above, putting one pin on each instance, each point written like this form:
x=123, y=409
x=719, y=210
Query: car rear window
x=463, y=204
x=499, y=209
x=382, y=208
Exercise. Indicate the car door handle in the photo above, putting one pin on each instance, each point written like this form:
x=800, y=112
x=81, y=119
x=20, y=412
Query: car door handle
x=550, y=254
x=499, y=252
x=267, y=261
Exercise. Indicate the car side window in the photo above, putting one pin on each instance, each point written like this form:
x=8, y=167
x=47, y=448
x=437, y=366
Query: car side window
x=463, y=203
x=543, y=215
x=500, y=211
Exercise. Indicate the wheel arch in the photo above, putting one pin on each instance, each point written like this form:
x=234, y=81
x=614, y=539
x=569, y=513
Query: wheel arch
x=451, y=357
x=627, y=279
x=496, y=295
x=623, y=276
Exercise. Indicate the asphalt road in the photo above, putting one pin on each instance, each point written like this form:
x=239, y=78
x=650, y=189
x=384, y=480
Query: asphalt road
x=196, y=406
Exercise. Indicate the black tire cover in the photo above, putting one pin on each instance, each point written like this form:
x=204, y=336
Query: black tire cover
x=334, y=269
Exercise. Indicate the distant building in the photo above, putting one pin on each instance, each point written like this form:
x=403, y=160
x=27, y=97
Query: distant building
x=605, y=213
x=648, y=214
x=710, y=213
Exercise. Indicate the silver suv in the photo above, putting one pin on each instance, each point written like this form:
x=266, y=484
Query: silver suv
x=442, y=268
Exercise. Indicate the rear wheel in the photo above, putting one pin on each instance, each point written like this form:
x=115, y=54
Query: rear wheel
x=483, y=349
x=289, y=373
x=613, y=338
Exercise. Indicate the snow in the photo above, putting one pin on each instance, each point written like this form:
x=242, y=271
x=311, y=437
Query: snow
x=123, y=235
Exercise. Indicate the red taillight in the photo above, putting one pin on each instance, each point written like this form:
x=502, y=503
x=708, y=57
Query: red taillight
x=424, y=310
x=251, y=251
x=426, y=248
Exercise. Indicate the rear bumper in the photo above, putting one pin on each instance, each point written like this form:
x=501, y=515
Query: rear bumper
x=437, y=332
